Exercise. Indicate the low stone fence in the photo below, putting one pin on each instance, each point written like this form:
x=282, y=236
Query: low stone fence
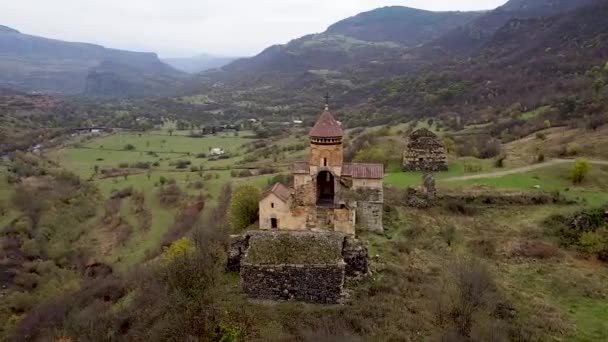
x=309, y=283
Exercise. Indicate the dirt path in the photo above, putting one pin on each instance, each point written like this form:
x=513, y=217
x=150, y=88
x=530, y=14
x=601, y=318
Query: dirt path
x=519, y=170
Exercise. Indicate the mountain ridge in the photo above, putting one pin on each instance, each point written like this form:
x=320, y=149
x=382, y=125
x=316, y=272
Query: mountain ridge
x=37, y=64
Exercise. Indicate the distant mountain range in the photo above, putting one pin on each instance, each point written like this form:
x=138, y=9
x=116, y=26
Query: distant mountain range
x=202, y=62
x=35, y=64
x=402, y=61
x=366, y=60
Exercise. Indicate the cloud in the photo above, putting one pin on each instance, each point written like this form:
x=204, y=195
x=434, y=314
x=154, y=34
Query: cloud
x=188, y=27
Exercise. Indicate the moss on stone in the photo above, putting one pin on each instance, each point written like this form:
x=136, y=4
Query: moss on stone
x=294, y=248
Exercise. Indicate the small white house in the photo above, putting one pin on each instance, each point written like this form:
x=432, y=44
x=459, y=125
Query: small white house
x=217, y=151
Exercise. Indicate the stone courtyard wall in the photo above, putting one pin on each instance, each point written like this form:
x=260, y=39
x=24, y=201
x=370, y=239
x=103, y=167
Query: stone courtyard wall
x=369, y=216
x=302, y=266
x=308, y=283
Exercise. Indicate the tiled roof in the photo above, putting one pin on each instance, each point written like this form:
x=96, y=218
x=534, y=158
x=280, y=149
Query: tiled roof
x=280, y=190
x=301, y=167
x=363, y=171
x=326, y=127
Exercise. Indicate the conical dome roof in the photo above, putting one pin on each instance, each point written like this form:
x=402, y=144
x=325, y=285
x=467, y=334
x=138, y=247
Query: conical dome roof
x=326, y=126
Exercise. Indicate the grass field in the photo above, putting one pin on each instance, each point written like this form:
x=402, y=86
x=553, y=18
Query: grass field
x=108, y=152
x=456, y=168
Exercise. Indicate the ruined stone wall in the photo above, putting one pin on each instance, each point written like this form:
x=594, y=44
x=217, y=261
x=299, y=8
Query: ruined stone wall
x=369, y=216
x=301, y=266
x=236, y=250
x=370, y=190
x=344, y=221
x=425, y=159
x=305, y=192
x=309, y=283
x=355, y=257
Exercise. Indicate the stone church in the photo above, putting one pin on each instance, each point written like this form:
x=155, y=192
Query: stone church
x=328, y=194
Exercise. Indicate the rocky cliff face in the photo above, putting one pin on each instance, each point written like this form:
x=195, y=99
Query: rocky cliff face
x=36, y=64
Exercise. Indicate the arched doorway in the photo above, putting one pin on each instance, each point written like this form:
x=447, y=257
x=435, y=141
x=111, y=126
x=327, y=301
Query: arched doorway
x=325, y=188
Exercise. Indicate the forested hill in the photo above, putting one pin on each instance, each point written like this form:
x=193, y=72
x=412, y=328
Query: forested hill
x=527, y=52
x=36, y=64
x=360, y=39
x=404, y=25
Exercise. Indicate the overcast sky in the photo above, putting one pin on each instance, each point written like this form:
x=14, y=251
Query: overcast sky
x=189, y=27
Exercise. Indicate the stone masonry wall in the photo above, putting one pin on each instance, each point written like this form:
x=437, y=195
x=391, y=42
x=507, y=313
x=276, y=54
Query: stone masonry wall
x=369, y=216
x=355, y=256
x=308, y=283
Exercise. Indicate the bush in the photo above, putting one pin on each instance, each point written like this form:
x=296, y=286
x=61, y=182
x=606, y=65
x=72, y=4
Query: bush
x=170, y=195
x=500, y=161
x=124, y=193
x=579, y=171
x=535, y=249
x=468, y=297
x=141, y=165
x=540, y=158
x=123, y=165
x=541, y=136
x=181, y=164
x=586, y=231
x=129, y=147
x=243, y=209
x=460, y=207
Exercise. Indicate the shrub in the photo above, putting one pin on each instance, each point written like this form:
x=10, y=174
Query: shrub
x=535, y=249
x=472, y=167
x=198, y=185
x=572, y=150
x=124, y=193
x=457, y=206
x=3, y=208
x=500, y=161
x=181, y=164
x=170, y=195
x=129, y=147
x=468, y=296
x=141, y=165
x=540, y=158
x=123, y=165
x=448, y=234
x=243, y=209
x=541, y=136
x=483, y=248
x=579, y=171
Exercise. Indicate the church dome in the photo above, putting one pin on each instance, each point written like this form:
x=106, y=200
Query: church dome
x=326, y=126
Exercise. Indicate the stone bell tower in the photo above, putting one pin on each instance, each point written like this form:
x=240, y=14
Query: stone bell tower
x=326, y=148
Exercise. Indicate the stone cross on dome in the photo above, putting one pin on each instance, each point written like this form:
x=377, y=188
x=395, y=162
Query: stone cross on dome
x=327, y=98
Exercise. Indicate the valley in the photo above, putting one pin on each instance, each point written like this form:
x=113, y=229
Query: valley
x=129, y=183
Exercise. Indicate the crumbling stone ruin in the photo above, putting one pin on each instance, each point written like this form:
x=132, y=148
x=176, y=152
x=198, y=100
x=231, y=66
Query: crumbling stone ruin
x=428, y=186
x=424, y=152
x=302, y=266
